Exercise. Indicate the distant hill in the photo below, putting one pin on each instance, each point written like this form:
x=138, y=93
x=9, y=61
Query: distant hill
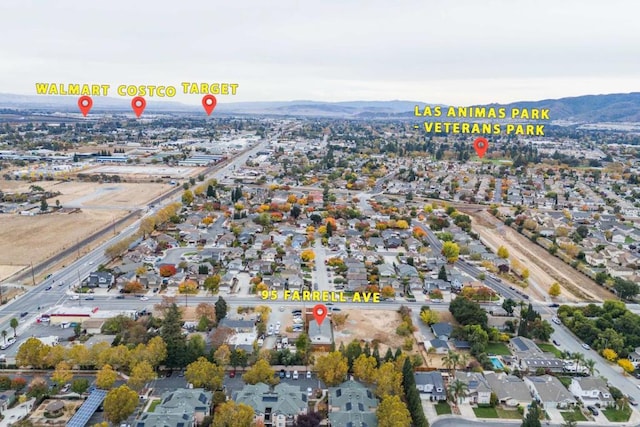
x=587, y=108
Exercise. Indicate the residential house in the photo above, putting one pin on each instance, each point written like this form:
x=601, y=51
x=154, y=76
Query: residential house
x=352, y=404
x=178, y=408
x=432, y=384
x=439, y=346
x=274, y=407
x=100, y=279
x=549, y=392
x=634, y=357
x=509, y=389
x=320, y=334
x=478, y=389
x=442, y=330
x=7, y=397
x=592, y=391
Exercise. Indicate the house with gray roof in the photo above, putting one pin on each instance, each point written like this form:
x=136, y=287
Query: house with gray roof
x=510, y=390
x=592, y=391
x=351, y=404
x=549, y=392
x=178, y=408
x=442, y=330
x=277, y=406
x=478, y=389
x=320, y=334
x=431, y=384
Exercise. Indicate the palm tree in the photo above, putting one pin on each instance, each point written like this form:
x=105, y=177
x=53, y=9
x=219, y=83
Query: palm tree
x=451, y=360
x=463, y=360
x=459, y=390
x=4, y=335
x=430, y=352
x=579, y=359
x=14, y=324
x=590, y=364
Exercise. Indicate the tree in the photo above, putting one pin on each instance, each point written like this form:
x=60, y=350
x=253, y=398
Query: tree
x=458, y=390
x=625, y=289
x=203, y=373
x=627, y=365
x=141, y=374
x=468, y=312
x=307, y=255
x=260, y=372
x=590, y=364
x=232, y=414
x=451, y=251
x=134, y=287
x=388, y=380
x=555, y=290
x=38, y=387
x=609, y=354
x=171, y=333
x=43, y=204
x=168, y=270
x=62, y=374
x=364, y=368
x=222, y=355
x=155, y=352
x=392, y=412
x=212, y=283
x=221, y=309
x=429, y=317
x=106, y=377
x=187, y=197
x=332, y=368
x=532, y=419
x=508, y=305
x=119, y=404
x=451, y=359
x=503, y=252
x=442, y=274
x=311, y=419
x=186, y=288
x=32, y=353
x=14, y=325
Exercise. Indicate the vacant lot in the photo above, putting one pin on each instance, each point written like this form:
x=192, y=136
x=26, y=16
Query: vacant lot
x=544, y=268
x=33, y=239
x=369, y=325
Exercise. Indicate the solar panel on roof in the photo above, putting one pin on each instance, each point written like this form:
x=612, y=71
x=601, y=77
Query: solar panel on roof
x=88, y=408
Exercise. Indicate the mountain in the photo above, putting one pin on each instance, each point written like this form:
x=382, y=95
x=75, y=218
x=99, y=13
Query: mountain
x=580, y=109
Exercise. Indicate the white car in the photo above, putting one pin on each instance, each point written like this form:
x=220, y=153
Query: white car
x=144, y=298
x=9, y=342
x=556, y=320
x=586, y=346
x=75, y=297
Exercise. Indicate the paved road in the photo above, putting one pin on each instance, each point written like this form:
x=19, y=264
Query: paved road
x=321, y=273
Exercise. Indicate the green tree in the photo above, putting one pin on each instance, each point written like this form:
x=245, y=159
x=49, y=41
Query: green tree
x=171, y=333
x=221, y=309
x=392, y=412
x=203, y=373
x=625, y=289
x=555, y=289
x=532, y=419
x=119, y=404
x=508, y=305
x=44, y=205
x=14, y=325
x=212, y=283
x=187, y=197
x=80, y=385
x=442, y=274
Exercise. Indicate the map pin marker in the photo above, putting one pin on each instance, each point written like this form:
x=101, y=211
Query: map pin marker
x=85, y=103
x=319, y=313
x=138, y=104
x=209, y=103
x=481, y=145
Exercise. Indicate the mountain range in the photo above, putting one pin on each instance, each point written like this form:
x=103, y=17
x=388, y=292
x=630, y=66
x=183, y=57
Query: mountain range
x=622, y=107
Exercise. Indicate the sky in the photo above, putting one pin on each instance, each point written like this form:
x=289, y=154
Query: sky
x=456, y=52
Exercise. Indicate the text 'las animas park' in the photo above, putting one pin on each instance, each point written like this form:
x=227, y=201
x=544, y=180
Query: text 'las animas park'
x=480, y=114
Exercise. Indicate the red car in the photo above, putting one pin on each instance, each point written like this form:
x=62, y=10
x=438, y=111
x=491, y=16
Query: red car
x=232, y=374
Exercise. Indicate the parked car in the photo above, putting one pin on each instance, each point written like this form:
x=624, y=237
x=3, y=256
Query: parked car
x=295, y=375
x=632, y=401
x=593, y=410
x=308, y=375
x=586, y=346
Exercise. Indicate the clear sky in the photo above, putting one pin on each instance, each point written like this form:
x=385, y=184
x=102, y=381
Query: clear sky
x=440, y=51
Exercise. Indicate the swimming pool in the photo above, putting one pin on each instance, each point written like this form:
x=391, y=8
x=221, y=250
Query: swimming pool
x=496, y=363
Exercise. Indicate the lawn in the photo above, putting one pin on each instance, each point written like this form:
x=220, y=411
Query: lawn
x=576, y=414
x=153, y=405
x=498, y=348
x=550, y=348
x=443, y=408
x=616, y=415
x=485, y=412
x=508, y=414
x=566, y=381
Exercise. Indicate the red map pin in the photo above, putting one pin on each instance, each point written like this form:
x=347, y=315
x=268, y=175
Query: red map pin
x=319, y=313
x=209, y=103
x=138, y=104
x=481, y=145
x=85, y=103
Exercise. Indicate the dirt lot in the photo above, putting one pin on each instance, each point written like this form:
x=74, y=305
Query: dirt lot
x=33, y=239
x=544, y=268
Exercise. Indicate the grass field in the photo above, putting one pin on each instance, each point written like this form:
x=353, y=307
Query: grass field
x=550, y=348
x=508, y=414
x=443, y=408
x=153, y=405
x=498, y=348
x=485, y=412
x=576, y=414
x=616, y=415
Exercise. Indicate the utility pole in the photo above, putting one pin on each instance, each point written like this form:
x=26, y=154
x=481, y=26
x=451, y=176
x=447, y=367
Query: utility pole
x=33, y=277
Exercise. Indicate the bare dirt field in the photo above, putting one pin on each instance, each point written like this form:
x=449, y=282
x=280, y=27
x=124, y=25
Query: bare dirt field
x=544, y=268
x=369, y=325
x=33, y=239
